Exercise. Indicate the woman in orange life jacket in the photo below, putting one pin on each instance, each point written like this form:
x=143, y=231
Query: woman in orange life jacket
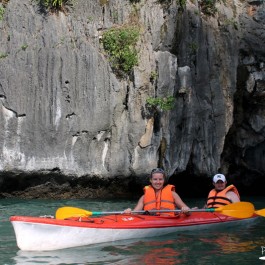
x=159, y=197
x=222, y=195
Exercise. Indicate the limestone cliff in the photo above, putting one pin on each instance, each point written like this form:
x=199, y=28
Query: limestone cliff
x=67, y=116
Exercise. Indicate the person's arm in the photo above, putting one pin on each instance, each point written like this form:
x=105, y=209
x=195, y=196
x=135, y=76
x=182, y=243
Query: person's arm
x=139, y=206
x=232, y=196
x=180, y=204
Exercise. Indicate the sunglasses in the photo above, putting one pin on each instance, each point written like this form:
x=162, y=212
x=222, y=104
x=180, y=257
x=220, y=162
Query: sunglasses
x=157, y=170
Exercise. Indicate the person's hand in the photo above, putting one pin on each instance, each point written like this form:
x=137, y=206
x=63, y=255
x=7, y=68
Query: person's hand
x=186, y=210
x=128, y=211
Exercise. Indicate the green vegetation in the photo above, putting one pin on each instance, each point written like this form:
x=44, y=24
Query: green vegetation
x=193, y=47
x=120, y=44
x=2, y=11
x=3, y=55
x=208, y=7
x=103, y=2
x=181, y=3
x=231, y=22
x=115, y=16
x=24, y=47
x=166, y=103
x=153, y=76
x=56, y=5
x=89, y=19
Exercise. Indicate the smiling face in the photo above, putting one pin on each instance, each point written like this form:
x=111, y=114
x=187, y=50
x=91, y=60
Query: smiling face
x=157, y=181
x=219, y=185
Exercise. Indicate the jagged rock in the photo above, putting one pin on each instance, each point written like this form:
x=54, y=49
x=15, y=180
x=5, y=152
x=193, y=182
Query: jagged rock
x=63, y=108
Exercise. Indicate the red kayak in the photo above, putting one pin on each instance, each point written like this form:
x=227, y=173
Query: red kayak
x=48, y=233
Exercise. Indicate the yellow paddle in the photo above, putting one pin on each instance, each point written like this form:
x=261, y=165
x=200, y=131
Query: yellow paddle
x=238, y=210
x=260, y=212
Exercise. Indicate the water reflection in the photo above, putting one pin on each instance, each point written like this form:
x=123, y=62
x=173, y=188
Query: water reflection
x=228, y=244
x=240, y=241
x=133, y=252
x=94, y=255
x=168, y=254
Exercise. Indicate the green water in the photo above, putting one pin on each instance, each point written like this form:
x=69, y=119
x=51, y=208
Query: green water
x=228, y=245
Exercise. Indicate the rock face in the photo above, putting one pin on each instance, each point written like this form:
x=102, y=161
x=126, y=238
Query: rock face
x=65, y=116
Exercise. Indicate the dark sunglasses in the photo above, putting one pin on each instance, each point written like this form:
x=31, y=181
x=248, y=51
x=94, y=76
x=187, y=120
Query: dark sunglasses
x=157, y=170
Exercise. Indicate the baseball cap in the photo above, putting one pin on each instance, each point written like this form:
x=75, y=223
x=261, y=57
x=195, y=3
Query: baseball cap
x=219, y=177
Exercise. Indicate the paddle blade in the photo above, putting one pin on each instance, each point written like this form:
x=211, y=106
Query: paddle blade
x=238, y=209
x=67, y=212
x=260, y=212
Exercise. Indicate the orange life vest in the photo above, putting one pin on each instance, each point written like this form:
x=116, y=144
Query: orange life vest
x=218, y=198
x=163, y=200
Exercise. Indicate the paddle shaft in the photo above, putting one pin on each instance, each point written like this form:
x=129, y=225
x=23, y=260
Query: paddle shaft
x=155, y=211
